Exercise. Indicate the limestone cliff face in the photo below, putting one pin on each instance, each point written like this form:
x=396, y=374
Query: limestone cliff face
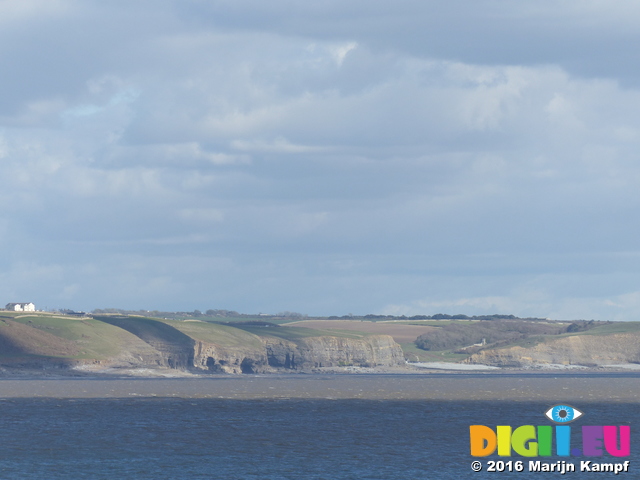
x=313, y=352
x=589, y=350
x=216, y=359
x=273, y=355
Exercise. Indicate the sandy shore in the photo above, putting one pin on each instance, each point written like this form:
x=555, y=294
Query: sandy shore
x=620, y=387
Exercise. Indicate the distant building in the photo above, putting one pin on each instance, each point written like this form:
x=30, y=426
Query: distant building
x=21, y=307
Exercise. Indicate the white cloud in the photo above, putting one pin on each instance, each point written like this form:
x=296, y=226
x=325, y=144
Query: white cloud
x=278, y=145
x=341, y=51
x=185, y=154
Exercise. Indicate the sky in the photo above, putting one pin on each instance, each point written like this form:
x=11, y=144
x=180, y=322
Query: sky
x=329, y=158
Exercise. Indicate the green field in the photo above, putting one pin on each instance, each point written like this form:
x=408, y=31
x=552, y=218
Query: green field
x=94, y=339
x=223, y=335
x=294, y=333
x=415, y=354
x=617, y=327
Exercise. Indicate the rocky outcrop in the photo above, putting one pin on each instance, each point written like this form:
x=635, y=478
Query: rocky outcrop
x=273, y=355
x=217, y=359
x=588, y=350
x=314, y=352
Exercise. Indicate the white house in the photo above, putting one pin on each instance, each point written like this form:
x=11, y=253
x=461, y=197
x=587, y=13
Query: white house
x=21, y=307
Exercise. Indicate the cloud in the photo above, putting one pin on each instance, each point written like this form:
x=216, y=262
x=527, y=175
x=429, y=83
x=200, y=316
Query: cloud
x=325, y=157
x=278, y=145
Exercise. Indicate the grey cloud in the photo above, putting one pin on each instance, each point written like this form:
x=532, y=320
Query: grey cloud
x=322, y=158
x=595, y=40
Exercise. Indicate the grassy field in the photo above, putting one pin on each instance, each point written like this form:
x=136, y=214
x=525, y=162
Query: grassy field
x=415, y=354
x=294, y=333
x=401, y=333
x=93, y=338
x=618, y=327
x=223, y=335
x=428, y=323
x=245, y=319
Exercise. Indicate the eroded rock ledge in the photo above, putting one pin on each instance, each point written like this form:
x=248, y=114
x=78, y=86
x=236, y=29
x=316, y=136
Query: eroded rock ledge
x=317, y=352
x=275, y=355
x=278, y=355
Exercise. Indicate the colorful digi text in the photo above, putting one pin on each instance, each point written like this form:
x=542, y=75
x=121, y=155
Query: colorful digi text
x=602, y=448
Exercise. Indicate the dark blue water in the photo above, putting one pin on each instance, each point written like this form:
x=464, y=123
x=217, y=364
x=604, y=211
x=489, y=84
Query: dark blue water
x=265, y=439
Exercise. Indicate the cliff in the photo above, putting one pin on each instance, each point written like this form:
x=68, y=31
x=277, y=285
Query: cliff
x=276, y=354
x=588, y=350
x=214, y=358
x=129, y=342
x=303, y=355
x=313, y=352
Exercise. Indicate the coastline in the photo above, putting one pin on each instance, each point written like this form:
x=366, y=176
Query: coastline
x=432, y=368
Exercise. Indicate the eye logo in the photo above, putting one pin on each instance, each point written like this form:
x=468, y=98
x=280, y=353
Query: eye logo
x=563, y=414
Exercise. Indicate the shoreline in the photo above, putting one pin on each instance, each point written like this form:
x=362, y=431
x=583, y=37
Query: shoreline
x=433, y=368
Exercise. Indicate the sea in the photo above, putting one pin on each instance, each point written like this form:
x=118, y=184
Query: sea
x=348, y=427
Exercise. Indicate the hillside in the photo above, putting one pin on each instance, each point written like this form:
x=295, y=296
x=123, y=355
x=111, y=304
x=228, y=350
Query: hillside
x=123, y=341
x=119, y=342
x=613, y=344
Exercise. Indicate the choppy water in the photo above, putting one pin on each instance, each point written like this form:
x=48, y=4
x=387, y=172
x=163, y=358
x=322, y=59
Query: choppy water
x=211, y=438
